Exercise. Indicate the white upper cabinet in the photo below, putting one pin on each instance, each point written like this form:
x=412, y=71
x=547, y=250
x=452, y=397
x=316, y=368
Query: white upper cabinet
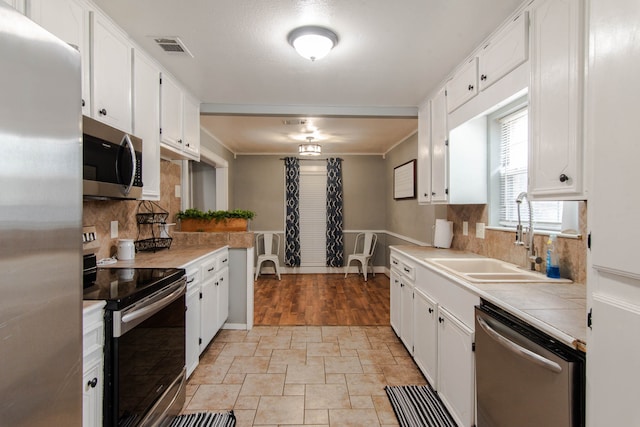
x=171, y=112
x=463, y=85
x=180, y=121
x=556, y=159
x=439, y=141
x=424, y=153
x=68, y=20
x=111, y=74
x=146, y=121
x=504, y=52
x=191, y=125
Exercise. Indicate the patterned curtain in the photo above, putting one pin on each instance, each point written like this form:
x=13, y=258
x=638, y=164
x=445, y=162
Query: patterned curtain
x=335, y=246
x=292, y=232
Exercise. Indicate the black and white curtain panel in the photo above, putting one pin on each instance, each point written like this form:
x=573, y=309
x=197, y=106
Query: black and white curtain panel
x=292, y=232
x=335, y=245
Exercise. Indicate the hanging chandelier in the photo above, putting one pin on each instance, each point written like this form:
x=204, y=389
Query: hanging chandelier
x=309, y=149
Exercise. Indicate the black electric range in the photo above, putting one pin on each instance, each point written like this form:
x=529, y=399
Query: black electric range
x=121, y=287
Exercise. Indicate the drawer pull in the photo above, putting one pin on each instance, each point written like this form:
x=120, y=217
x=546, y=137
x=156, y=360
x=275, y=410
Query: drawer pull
x=93, y=383
x=211, y=269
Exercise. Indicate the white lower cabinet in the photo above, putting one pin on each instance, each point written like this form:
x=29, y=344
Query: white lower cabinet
x=192, y=320
x=207, y=303
x=92, y=364
x=441, y=336
x=425, y=340
x=395, y=296
x=401, y=298
x=456, y=367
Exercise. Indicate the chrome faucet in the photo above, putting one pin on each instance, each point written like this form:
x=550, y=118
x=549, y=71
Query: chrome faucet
x=532, y=257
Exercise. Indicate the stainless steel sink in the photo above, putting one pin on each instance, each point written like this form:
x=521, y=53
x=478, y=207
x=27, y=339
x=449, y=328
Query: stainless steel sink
x=492, y=270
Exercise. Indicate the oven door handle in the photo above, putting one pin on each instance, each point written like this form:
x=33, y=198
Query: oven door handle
x=156, y=306
x=519, y=350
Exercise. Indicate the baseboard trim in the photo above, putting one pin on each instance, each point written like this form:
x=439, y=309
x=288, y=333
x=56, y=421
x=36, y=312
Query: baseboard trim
x=235, y=326
x=318, y=270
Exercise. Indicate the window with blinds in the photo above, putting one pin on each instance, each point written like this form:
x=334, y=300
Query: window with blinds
x=513, y=152
x=313, y=216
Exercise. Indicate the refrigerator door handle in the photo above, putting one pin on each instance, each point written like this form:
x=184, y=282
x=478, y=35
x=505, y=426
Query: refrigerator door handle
x=517, y=349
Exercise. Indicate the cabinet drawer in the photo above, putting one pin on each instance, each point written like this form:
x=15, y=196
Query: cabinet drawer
x=92, y=338
x=209, y=269
x=409, y=271
x=193, y=276
x=396, y=264
x=223, y=260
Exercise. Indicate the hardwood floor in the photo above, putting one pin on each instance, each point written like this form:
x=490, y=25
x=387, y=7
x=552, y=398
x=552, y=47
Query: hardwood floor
x=321, y=300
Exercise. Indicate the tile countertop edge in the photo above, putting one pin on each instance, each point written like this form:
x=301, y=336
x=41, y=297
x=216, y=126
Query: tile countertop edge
x=177, y=257
x=412, y=252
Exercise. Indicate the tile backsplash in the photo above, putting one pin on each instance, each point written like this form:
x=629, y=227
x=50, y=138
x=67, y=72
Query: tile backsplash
x=500, y=244
x=100, y=213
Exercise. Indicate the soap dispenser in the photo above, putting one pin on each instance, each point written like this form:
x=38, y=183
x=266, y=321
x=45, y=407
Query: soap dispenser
x=553, y=260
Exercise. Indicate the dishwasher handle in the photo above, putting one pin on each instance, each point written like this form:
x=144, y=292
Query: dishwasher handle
x=517, y=349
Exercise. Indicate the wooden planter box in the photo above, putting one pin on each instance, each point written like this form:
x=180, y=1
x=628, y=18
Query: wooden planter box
x=229, y=224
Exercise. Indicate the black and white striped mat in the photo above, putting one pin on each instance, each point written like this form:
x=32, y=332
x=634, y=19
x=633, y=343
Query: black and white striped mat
x=418, y=406
x=205, y=419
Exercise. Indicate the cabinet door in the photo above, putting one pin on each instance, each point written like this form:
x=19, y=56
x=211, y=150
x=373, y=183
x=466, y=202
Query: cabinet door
x=424, y=153
x=613, y=128
x=191, y=126
x=456, y=372
x=171, y=111
x=406, y=314
x=555, y=100
x=463, y=86
x=111, y=71
x=223, y=297
x=425, y=336
x=146, y=121
x=208, y=312
x=613, y=365
x=439, y=141
x=68, y=20
x=18, y=5
x=92, y=385
x=504, y=52
x=395, y=295
x=192, y=332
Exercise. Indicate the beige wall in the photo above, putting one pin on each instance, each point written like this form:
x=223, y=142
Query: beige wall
x=406, y=217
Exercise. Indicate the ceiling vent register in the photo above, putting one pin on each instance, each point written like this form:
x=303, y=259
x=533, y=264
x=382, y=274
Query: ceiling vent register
x=172, y=45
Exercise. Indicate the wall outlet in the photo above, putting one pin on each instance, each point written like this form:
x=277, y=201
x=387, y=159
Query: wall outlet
x=480, y=230
x=114, y=229
x=465, y=228
x=178, y=191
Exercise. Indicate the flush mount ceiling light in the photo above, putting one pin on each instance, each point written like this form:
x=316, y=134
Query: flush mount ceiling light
x=312, y=42
x=309, y=149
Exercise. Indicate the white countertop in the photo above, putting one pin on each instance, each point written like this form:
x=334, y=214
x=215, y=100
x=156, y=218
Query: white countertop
x=559, y=309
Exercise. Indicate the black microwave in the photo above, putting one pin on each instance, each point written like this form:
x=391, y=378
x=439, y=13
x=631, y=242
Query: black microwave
x=111, y=162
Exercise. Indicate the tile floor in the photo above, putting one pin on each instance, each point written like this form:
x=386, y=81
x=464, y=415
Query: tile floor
x=302, y=375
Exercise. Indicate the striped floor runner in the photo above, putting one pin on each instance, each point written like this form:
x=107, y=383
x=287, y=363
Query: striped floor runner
x=205, y=419
x=418, y=406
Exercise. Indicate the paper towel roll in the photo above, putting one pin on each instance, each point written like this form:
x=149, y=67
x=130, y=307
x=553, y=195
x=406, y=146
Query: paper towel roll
x=443, y=233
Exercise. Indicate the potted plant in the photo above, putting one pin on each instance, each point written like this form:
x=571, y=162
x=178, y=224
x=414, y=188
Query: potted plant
x=214, y=221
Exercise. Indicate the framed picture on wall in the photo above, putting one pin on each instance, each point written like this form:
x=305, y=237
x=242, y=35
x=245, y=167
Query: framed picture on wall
x=404, y=181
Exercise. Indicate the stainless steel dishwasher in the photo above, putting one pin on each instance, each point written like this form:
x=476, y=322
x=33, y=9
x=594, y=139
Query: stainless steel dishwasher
x=524, y=377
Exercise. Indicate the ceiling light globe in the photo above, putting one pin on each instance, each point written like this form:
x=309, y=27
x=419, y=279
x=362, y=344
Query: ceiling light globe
x=313, y=42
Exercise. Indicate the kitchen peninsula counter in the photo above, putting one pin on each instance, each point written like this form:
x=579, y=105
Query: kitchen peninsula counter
x=558, y=309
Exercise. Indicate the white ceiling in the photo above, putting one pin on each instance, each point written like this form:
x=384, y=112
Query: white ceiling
x=390, y=55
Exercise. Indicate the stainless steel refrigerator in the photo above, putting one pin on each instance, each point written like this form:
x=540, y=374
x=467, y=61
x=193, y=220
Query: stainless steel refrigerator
x=40, y=227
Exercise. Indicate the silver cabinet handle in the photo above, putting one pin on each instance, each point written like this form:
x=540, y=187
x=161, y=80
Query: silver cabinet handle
x=519, y=350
